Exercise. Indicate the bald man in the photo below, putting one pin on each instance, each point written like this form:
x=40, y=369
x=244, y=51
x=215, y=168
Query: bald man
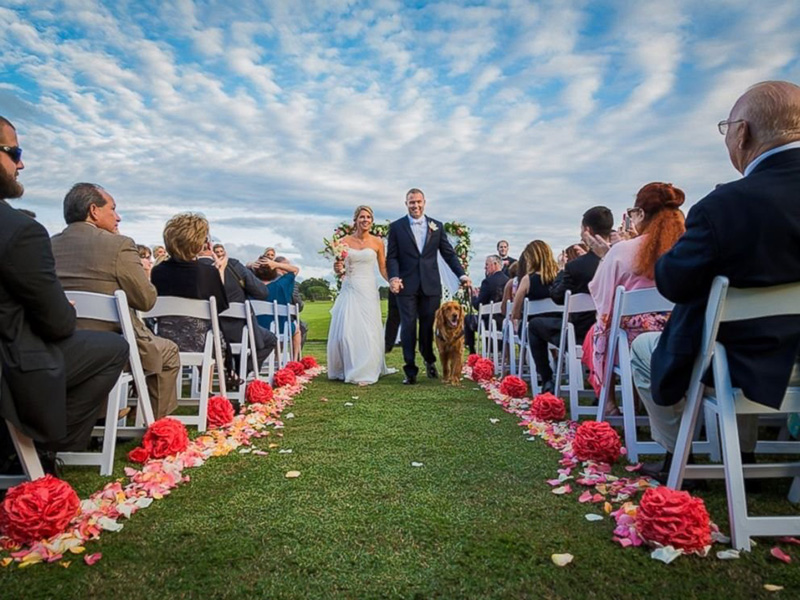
x=749, y=231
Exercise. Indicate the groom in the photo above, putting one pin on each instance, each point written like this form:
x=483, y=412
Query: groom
x=411, y=260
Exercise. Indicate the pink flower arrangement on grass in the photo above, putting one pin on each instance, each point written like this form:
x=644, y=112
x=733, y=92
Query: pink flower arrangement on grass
x=513, y=386
x=36, y=510
x=220, y=412
x=597, y=441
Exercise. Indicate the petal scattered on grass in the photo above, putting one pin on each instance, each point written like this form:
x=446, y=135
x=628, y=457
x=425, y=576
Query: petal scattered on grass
x=666, y=554
x=593, y=517
x=417, y=464
x=770, y=587
x=564, y=489
x=561, y=560
x=289, y=416
x=789, y=540
x=292, y=474
x=728, y=554
x=494, y=421
x=285, y=451
x=780, y=555
x=90, y=559
x=348, y=404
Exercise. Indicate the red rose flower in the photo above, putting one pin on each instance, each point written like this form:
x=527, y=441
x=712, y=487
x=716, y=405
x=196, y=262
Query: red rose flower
x=309, y=362
x=165, y=437
x=284, y=377
x=37, y=510
x=547, y=407
x=258, y=392
x=597, y=441
x=138, y=455
x=220, y=411
x=673, y=518
x=483, y=370
x=513, y=386
x=296, y=367
x=472, y=359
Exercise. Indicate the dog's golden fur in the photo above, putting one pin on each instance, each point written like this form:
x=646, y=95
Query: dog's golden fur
x=449, y=335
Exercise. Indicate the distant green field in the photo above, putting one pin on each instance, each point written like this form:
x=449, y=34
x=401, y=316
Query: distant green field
x=318, y=317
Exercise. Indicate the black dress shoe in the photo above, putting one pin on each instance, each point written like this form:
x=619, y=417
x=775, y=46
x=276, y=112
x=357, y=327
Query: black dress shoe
x=410, y=380
x=548, y=387
x=430, y=371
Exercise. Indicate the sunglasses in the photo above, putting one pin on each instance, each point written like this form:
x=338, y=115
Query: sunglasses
x=15, y=152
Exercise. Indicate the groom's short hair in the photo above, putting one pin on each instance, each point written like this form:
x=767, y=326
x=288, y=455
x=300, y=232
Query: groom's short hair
x=415, y=191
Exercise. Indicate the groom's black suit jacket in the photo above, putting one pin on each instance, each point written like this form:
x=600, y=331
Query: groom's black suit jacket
x=748, y=231
x=419, y=271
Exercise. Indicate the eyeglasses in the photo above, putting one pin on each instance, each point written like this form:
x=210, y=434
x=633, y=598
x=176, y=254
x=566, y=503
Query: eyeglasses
x=15, y=152
x=723, y=125
x=632, y=211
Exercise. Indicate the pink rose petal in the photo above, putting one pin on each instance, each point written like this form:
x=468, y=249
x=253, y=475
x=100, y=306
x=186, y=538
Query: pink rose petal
x=780, y=555
x=90, y=559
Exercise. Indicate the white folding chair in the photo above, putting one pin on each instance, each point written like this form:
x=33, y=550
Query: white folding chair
x=261, y=307
x=113, y=309
x=727, y=304
x=485, y=312
x=294, y=319
x=207, y=361
x=244, y=348
x=570, y=352
x=531, y=308
x=26, y=452
x=511, y=341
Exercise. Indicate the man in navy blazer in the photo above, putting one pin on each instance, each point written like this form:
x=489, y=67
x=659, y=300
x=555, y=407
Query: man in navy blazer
x=412, y=265
x=749, y=231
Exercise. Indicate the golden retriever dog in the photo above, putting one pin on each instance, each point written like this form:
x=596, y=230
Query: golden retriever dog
x=448, y=330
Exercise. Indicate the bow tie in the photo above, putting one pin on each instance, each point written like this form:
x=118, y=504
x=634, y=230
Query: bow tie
x=418, y=221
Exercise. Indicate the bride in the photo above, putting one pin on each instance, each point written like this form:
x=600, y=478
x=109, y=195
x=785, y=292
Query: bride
x=355, y=338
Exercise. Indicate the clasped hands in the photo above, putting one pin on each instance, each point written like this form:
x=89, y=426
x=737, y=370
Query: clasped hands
x=395, y=285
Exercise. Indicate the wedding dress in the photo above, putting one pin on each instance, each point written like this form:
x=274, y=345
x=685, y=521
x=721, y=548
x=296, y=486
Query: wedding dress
x=355, y=337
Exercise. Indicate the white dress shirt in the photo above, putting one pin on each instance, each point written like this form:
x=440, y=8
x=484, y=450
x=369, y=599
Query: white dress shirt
x=419, y=227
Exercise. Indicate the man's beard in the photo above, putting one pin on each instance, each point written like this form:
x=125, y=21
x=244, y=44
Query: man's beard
x=10, y=187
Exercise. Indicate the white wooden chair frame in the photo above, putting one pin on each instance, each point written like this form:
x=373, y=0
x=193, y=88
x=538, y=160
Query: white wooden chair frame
x=209, y=360
x=113, y=309
x=570, y=352
x=531, y=308
x=244, y=348
x=727, y=304
x=28, y=458
x=490, y=336
x=511, y=341
x=263, y=307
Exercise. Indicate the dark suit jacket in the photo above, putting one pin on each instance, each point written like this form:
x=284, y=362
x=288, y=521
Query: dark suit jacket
x=90, y=259
x=491, y=289
x=748, y=231
x=575, y=277
x=419, y=270
x=33, y=313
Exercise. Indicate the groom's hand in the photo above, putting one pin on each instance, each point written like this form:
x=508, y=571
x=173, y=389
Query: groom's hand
x=395, y=284
x=466, y=282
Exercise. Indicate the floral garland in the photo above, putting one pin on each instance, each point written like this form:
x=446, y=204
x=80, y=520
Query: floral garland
x=458, y=234
x=673, y=523
x=104, y=509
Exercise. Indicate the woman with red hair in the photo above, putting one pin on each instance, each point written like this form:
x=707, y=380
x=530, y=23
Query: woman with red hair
x=656, y=222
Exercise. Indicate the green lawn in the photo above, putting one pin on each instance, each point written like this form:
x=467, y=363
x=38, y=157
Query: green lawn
x=476, y=521
x=318, y=317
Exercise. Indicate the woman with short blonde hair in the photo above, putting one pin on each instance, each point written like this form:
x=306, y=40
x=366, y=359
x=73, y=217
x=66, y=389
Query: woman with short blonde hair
x=185, y=234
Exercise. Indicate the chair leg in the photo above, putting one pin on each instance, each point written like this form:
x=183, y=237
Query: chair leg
x=26, y=451
x=794, y=491
x=118, y=393
x=206, y=374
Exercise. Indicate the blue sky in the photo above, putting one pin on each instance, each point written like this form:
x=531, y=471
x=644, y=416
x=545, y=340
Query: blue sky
x=277, y=118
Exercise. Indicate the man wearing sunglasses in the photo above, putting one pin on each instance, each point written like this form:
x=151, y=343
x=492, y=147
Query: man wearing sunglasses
x=54, y=379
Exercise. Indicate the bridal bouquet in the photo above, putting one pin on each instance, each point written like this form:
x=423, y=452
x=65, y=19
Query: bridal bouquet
x=335, y=250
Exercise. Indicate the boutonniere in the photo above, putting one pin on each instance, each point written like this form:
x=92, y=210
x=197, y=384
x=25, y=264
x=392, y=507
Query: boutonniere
x=433, y=226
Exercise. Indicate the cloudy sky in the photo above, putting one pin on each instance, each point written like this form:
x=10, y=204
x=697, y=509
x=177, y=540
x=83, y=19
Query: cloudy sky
x=276, y=118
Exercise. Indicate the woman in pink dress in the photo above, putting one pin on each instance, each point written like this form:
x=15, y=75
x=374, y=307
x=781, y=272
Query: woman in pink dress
x=657, y=222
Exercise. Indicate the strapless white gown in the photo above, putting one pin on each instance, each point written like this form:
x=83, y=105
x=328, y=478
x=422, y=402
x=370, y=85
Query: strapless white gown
x=355, y=338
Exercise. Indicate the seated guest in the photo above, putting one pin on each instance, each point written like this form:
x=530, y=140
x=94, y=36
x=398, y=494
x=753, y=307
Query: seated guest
x=240, y=285
x=659, y=222
x=92, y=256
x=146, y=257
x=159, y=255
x=281, y=277
x=269, y=254
x=510, y=287
x=575, y=278
x=55, y=380
x=297, y=300
x=491, y=290
x=184, y=276
x=505, y=260
x=541, y=270
x=762, y=134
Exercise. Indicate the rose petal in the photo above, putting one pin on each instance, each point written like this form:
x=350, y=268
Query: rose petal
x=593, y=517
x=90, y=559
x=780, y=555
x=417, y=464
x=772, y=588
x=561, y=560
x=666, y=554
x=788, y=540
x=292, y=474
x=728, y=554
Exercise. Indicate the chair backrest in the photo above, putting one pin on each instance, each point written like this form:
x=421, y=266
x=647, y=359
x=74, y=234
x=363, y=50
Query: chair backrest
x=578, y=303
x=262, y=307
x=637, y=302
x=173, y=306
x=114, y=309
x=236, y=310
x=537, y=307
x=492, y=308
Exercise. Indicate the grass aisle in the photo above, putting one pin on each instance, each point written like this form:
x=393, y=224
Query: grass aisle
x=477, y=520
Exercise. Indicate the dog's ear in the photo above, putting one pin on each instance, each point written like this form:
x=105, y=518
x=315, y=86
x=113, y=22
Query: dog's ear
x=437, y=319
